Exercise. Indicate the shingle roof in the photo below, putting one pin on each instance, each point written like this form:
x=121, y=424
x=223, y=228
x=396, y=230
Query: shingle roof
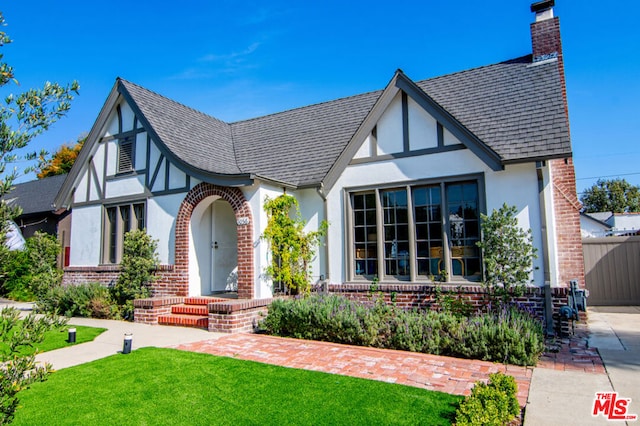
x=516, y=108
x=36, y=196
x=197, y=139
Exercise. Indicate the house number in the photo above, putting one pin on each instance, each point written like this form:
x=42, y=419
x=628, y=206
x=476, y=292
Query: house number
x=242, y=221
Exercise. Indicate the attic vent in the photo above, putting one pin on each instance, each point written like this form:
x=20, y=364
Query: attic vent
x=125, y=155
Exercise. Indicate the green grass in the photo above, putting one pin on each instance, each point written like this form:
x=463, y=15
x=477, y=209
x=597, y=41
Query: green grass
x=57, y=338
x=153, y=386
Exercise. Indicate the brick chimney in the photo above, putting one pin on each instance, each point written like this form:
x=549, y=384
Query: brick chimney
x=545, y=32
x=546, y=45
x=545, y=40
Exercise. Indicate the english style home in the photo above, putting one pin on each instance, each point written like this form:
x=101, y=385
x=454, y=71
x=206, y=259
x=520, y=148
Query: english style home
x=401, y=174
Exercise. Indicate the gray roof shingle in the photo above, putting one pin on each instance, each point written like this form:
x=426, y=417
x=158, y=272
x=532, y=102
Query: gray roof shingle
x=36, y=196
x=516, y=108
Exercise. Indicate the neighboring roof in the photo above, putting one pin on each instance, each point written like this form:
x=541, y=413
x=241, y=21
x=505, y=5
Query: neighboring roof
x=36, y=196
x=599, y=216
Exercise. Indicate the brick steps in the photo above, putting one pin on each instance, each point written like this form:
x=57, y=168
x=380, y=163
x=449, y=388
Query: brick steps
x=184, y=320
x=194, y=312
x=188, y=309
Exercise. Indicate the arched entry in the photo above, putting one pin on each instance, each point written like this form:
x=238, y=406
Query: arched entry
x=213, y=248
x=195, y=257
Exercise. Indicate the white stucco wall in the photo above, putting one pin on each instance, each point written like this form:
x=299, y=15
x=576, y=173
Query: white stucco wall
x=125, y=186
x=516, y=185
x=161, y=214
x=255, y=196
x=86, y=236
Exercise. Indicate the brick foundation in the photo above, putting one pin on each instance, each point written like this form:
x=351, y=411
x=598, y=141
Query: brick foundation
x=147, y=311
x=423, y=296
x=237, y=316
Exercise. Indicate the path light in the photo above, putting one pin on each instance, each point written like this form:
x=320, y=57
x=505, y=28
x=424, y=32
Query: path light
x=72, y=335
x=128, y=341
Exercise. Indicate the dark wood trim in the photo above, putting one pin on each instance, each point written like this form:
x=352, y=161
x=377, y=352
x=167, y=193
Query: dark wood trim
x=405, y=123
x=156, y=171
x=166, y=175
x=440, y=133
x=94, y=173
x=417, y=153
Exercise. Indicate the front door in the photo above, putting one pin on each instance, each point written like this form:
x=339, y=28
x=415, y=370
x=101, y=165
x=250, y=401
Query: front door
x=224, y=248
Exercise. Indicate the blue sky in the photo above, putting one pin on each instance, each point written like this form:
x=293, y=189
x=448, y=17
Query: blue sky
x=241, y=59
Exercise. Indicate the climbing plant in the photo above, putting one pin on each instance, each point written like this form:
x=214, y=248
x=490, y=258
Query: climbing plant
x=292, y=249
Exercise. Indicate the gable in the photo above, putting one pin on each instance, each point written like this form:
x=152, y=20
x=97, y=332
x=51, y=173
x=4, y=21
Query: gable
x=121, y=161
x=405, y=129
x=405, y=122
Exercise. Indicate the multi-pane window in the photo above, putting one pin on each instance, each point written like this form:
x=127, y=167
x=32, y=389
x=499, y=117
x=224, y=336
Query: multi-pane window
x=396, y=233
x=118, y=221
x=427, y=215
x=464, y=228
x=365, y=234
x=443, y=228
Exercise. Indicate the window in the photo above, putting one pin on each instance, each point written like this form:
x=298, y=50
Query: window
x=365, y=234
x=126, y=150
x=425, y=231
x=118, y=221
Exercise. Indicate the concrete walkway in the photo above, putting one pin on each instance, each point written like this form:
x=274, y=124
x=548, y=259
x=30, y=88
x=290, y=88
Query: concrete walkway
x=566, y=396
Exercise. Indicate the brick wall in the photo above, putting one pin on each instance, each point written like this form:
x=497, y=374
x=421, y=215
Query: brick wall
x=108, y=274
x=147, y=311
x=179, y=283
x=567, y=216
x=424, y=296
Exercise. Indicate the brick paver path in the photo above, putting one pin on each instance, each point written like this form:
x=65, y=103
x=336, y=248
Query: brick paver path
x=451, y=375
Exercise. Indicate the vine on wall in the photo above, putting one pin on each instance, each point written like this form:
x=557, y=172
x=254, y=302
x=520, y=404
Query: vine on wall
x=292, y=249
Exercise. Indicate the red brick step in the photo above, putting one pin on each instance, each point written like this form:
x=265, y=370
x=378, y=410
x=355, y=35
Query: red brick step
x=189, y=309
x=184, y=320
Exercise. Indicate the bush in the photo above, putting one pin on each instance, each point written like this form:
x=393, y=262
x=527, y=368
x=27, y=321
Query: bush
x=28, y=274
x=507, y=336
x=139, y=260
x=85, y=300
x=494, y=403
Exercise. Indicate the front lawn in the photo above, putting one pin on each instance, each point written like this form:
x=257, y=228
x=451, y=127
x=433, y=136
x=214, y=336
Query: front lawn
x=167, y=386
x=57, y=338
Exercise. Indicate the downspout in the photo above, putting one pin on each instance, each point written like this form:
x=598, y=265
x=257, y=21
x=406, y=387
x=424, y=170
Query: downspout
x=548, y=299
x=320, y=191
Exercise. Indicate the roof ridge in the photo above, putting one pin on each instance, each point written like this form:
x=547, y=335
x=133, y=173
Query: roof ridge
x=357, y=95
x=518, y=60
x=173, y=101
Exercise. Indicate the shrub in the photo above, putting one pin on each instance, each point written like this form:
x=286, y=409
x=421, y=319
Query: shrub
x=507, y=336
x=84, y=300
x=507, y=253
x=139, y=260
x=28, y=274
x=494, y=403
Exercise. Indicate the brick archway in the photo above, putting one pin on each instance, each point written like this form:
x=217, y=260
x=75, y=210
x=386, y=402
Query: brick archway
x=244, y=218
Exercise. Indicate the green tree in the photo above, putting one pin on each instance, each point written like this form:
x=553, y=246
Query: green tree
x=507, y=252
x=24, y=116
x=614, y=195
x=18, y=371
x=139, y=261
x=292, y=249
x=61, y=161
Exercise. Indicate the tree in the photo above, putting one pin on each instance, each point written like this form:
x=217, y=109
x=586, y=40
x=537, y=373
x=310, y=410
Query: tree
x=614, y=195
x=18, y=371
x=292, y=250
x=61, y=161
x=507, y=252
x=24, y=116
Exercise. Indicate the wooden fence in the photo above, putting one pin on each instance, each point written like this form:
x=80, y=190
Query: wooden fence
x=612, y=270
